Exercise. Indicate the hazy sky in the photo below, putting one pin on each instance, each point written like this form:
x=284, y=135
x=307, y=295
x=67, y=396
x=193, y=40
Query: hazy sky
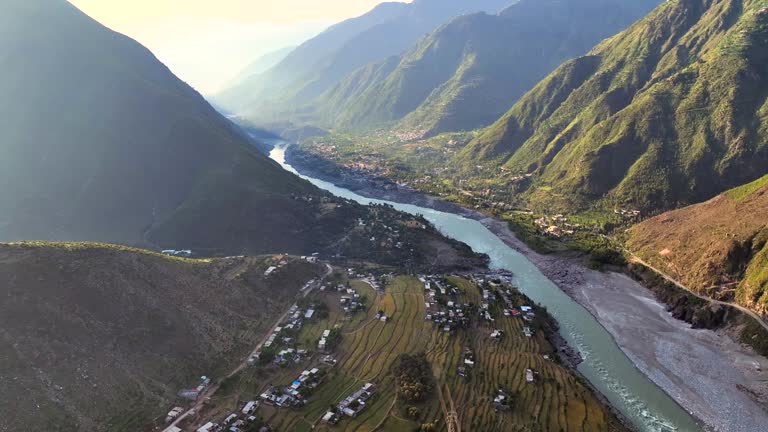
x=207, y=42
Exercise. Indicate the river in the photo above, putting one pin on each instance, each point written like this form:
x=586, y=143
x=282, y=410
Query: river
x=608, y=369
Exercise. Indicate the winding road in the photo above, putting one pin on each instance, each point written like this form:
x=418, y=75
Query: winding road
x=636, y=259
x=211, y=390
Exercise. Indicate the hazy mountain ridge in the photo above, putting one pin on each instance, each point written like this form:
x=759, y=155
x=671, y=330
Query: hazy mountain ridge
x=467, y=73
x=667, y=113
x=323, y=61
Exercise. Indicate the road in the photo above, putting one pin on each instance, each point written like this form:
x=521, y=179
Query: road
x=636, y=259
x=211, y=390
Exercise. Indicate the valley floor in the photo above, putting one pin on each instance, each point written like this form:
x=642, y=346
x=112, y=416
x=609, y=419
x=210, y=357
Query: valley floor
x=716, y=379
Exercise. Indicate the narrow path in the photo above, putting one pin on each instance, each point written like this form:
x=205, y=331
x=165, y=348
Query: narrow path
x=210, y=391
x=636, y=259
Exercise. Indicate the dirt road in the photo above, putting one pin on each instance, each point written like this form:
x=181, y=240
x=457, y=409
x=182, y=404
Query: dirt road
x=636, y=259
x=211, y=390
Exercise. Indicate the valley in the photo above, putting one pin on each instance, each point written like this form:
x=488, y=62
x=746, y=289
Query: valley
x=605, y=296
x=432, y=216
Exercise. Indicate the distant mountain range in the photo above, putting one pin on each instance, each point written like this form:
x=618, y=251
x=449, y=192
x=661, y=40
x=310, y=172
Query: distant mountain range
x=100, y=142
x=670, y=112
x=325, y=60
x=716, y=247
x=468, y=72
x=261, y=65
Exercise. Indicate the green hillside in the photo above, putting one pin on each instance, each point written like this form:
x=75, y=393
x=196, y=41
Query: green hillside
x=669, y=112
x=466, y=74
x=322, y=62
x=719, y=247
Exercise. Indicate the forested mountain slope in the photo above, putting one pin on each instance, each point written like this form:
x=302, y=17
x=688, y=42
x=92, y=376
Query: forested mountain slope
x=670, y=112
x=323, y=61
x=468, y=72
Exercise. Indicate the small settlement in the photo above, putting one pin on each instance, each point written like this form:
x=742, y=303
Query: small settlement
x=352, y=405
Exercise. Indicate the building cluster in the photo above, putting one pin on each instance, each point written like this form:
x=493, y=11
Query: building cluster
x=293, y=395
x=352, y=405
x=282, y=335
x=627, y=213
x=351, y=301
x=441, y=305
x=553, y=225
x=186, y=253
x=193, y=394
x=235, y=422
x=467, y=363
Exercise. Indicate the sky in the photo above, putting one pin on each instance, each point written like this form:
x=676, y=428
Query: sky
x=207, y=42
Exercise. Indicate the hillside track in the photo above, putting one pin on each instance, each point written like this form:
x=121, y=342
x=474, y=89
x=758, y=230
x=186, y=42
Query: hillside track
x=760, y=320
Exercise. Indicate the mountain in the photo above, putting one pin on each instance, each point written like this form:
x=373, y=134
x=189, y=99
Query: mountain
x=101, y=338
x=721, y=243
x=467, y=73
x=261, y=65
x=323, y=61
x=100, y=142
x=670, y=112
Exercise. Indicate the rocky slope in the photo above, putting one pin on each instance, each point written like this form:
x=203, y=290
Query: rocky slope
x=719, y=247
x=101, y=338
x=670, y=112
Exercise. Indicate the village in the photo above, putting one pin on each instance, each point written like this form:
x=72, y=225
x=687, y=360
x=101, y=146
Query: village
x=281, y=349
x=308, y=368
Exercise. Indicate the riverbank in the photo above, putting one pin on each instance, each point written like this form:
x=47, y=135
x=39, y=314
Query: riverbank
x=716, y=379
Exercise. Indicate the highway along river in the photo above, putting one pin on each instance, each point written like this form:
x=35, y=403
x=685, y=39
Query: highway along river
x=605, y=365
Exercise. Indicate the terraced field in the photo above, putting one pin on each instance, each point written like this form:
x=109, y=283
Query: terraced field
x=557, y=401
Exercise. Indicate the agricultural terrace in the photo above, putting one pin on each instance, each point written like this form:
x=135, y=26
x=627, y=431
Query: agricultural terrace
x=557, y=400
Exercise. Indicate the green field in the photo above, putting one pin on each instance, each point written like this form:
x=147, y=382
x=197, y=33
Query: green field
x=557, y=401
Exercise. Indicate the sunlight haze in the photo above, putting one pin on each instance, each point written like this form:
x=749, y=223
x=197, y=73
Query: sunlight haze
x=208, y=42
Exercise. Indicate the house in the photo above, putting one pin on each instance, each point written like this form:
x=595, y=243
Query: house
x=270, y=270
x=308, y=314
x=529, y=375
x=208, y=427
x=172, y=414
x=250, y=407
x=172, y=429
x=230, y=418
x=330, y=417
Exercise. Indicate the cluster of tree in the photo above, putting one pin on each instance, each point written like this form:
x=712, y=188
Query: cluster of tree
x=413, y=375
x=334, y=339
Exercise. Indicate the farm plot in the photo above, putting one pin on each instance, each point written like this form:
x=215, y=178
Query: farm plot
x=556, y=401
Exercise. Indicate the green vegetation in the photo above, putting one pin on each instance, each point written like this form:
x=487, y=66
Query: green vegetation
x=410, y=353
x=325, y=60
x=666, y=113
x=467, y=73
x=743, y=192
x=413, y=376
